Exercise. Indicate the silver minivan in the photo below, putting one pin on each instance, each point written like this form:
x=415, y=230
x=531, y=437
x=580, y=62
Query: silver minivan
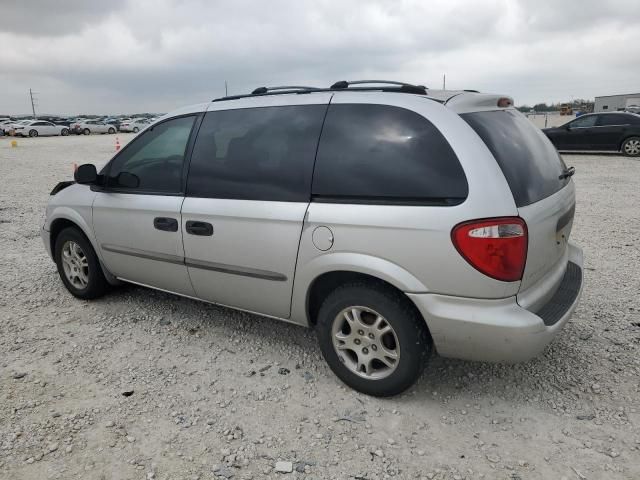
x=392, y=219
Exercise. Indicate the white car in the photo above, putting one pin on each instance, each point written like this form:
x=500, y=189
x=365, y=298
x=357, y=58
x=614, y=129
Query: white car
x=5, y=126
x=8, y=126
x=35, y=128
x=134, y=125
x=87, y=127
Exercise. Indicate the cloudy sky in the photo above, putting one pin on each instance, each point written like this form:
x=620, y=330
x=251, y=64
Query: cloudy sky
x=154, y=55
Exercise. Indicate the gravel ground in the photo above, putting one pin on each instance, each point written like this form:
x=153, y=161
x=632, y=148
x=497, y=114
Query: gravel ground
x=143, y=384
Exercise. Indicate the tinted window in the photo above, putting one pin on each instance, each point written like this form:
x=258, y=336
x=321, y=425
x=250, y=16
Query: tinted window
x=385, y=153
x=586, y=121
x=256, y=153
x=529, y=161
x=614, y=119
x=156, y=158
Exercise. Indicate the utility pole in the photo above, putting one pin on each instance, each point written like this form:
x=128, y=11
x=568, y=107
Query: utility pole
x=33, y=105
x=444, y=81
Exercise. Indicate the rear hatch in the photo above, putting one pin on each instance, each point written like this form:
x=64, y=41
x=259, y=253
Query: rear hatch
x=544, y=195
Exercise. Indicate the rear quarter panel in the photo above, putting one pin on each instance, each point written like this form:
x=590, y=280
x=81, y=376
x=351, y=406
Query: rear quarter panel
x=413, y=243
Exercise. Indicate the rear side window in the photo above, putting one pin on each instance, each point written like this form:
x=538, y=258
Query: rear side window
x=385, y=154
x=614, y=119
x=529, y=161
x=256, y=153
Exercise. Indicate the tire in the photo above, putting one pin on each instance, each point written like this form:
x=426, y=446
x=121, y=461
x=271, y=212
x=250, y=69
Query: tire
x=631, y=147
x=88, y=281
x=33, y=133
x=136, y=129
x=112, y=130
x=64, y=132
x=408, y=339
x=86, y=131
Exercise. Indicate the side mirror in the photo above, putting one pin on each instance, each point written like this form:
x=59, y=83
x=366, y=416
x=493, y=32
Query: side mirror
x=86, y=174
x=128, y=180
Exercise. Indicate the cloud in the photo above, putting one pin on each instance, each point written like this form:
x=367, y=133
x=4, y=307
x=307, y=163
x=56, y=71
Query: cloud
x=123, y=56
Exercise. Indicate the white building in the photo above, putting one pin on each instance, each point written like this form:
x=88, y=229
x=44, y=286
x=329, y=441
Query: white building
x=613, y=103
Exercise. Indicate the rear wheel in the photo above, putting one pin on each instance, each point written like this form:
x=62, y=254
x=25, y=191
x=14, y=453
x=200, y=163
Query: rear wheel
x=86, y=131
x=631, y=147
x=78, y=265
x=136, y=129
x=64, y=132
x=112, y=130
x=33, y=133
x=372, y=338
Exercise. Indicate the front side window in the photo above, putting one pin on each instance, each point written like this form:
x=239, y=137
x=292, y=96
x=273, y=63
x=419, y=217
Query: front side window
x=263, y=153
x=153, y=161
x=382, y=153
x=586, y=121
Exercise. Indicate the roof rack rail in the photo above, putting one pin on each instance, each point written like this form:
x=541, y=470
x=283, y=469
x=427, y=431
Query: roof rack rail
x=263, y=90
x=368, y=85
x=404, y=87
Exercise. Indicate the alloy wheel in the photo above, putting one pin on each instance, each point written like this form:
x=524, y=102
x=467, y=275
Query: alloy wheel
x=632, y=147
x=365, y=342
x=75, y=265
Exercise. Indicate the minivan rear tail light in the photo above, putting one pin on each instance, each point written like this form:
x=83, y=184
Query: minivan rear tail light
x=496, y=247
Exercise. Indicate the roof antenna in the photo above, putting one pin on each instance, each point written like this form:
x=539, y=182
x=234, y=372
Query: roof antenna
x=226, y=93
x=444, y=81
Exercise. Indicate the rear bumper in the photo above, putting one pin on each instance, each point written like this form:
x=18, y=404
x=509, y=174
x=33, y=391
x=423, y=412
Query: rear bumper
x=500, y=330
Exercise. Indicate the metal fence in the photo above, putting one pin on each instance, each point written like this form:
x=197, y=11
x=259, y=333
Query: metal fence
x=551, y=119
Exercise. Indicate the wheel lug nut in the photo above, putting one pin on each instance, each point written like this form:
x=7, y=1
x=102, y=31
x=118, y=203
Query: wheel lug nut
x=357, y=341
x=371, y=335
x=374, y=347
x=365, y=350
x=360, y=332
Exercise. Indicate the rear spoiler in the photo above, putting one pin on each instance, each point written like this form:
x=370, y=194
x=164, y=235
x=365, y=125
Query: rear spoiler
x=466, y=102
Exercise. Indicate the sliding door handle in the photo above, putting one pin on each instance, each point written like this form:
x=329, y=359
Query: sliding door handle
x=203, y=229
x=166, y=224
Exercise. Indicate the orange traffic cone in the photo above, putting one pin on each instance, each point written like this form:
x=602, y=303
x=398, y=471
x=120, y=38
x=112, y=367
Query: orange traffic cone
x=117, y=144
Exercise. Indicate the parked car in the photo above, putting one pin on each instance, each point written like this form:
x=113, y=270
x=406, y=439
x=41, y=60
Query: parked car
x=36, y=128
x=614, y=131
x=389, y=219
x=5, y=126
x=87, y=127
x=134, y=125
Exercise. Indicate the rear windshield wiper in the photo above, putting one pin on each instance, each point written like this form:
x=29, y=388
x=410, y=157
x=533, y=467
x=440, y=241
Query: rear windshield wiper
x=567, y=172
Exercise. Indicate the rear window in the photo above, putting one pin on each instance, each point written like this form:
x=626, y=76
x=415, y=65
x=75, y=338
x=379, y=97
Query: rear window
x=529, y=161
x=385, y=154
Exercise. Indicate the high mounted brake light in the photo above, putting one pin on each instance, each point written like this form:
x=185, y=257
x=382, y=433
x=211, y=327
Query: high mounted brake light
x=496, y=247
x=505, y=102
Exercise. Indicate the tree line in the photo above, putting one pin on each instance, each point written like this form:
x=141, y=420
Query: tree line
x=577, y=104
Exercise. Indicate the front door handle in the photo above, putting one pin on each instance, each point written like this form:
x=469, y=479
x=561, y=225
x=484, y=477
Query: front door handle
x=166, y=224
x=203, y=229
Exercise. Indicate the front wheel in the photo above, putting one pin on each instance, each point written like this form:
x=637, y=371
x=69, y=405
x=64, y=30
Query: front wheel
x=136, y=129
x=78, y=265
x=86, y=131
x=373, y=338
x=112, y=130
x=64, y=132
x=631, y=147
x=33, y=133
